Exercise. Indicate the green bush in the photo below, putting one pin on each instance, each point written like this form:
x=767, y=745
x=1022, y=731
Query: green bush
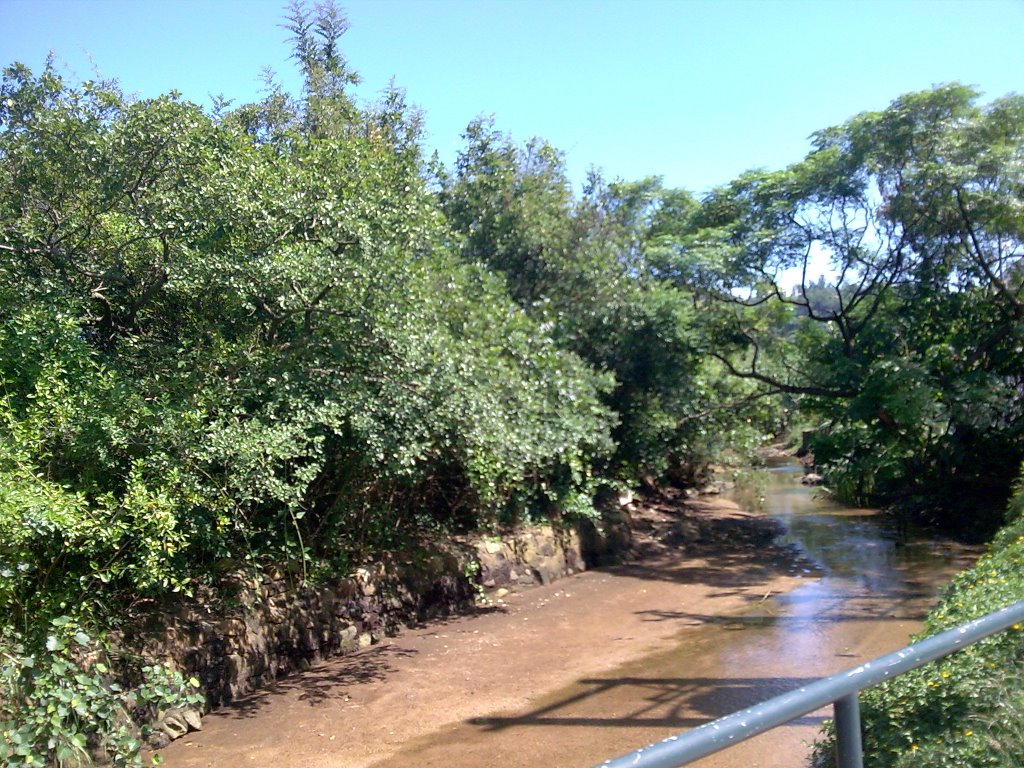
x=242, y=338
x=61, y=703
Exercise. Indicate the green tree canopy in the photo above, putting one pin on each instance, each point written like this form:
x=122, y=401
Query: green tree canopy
x=914, y=363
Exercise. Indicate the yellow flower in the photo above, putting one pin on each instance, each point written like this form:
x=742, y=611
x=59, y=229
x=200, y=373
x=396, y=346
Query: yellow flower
x=968, y=733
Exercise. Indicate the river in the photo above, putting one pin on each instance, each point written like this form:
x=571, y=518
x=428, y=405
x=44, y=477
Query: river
x=627, y=656
x=867, y=594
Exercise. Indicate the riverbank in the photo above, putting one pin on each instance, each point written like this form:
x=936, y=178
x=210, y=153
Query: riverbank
x=695, y=562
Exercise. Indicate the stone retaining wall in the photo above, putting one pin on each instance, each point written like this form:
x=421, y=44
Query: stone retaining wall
x=260, y=629
x=265, y=628
x=528, y=556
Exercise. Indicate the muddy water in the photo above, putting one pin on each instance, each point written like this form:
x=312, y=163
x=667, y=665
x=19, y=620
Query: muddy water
x=866, y=594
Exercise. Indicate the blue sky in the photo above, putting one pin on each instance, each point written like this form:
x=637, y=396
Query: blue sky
x=693, y=90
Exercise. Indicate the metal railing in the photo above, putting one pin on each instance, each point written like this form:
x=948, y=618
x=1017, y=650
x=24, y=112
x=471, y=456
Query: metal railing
x=840, y=690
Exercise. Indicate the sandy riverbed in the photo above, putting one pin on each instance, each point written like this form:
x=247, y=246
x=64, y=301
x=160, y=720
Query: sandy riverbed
x=475, y=690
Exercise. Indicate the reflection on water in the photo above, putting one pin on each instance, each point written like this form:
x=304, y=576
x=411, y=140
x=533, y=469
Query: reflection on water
x=873, y=587
x=860, y=553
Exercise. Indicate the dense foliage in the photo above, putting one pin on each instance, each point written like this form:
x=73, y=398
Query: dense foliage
x=278, y=333
x=585, y=269
x=908, y=359
x=219, y=342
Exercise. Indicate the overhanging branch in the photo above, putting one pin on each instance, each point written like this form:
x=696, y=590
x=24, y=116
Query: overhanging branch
x=783, y=387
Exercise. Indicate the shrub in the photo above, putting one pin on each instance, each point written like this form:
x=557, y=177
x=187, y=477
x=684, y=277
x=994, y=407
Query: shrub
x=61, y=702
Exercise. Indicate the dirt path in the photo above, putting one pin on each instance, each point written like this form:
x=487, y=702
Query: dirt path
x=401, y=702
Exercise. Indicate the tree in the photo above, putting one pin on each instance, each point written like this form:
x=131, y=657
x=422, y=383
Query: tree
x=913, y=361
x=590, y=270
x=263, y=332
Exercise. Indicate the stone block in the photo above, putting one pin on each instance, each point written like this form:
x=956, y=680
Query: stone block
x=173, y=723
x=232, y=628
x=492, y=547
x=348, y=638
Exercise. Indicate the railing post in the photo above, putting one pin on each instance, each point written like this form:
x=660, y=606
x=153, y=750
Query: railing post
x=849, y=752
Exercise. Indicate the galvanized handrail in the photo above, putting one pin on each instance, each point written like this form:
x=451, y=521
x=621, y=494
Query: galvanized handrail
x=840, y=690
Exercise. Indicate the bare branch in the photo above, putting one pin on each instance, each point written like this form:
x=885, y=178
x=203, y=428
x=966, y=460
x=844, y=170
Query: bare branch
x=779, y=387
x=981, y=261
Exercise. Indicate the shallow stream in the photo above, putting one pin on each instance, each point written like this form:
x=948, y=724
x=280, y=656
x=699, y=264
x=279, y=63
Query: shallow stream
x=867, y=592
